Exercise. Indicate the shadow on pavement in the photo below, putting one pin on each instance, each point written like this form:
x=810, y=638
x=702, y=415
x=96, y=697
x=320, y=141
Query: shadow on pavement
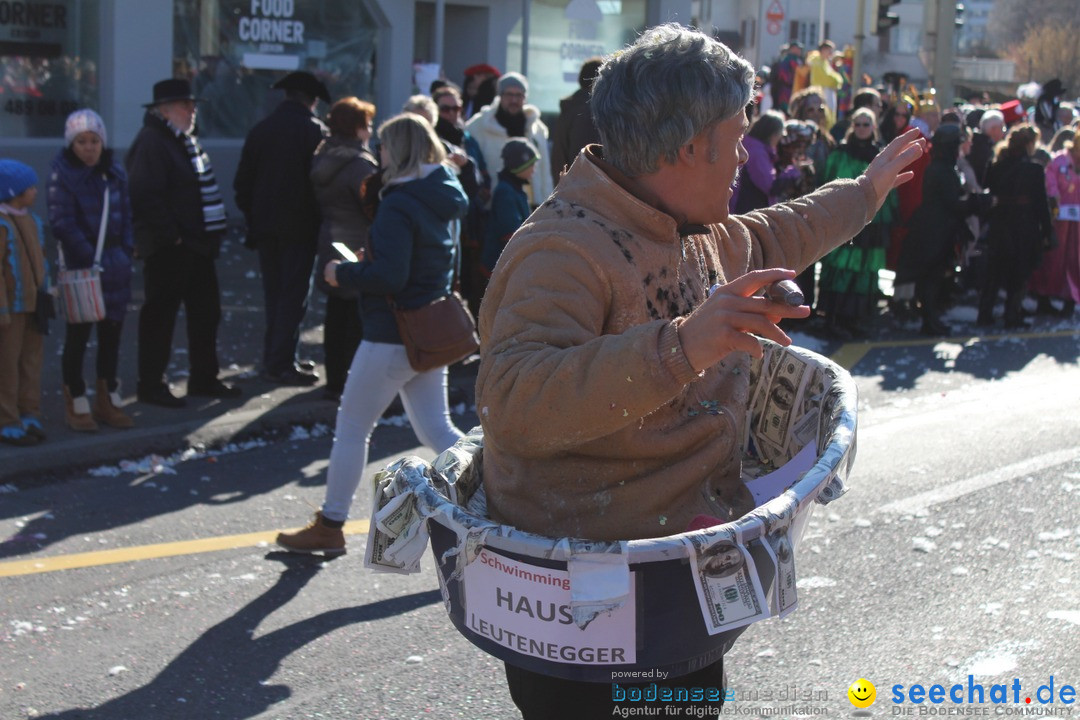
x=222, y=673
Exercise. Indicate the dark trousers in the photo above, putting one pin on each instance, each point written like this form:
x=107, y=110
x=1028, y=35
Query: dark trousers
x=342, y=332
x=542, y=697
x=1002, y=272
x=172, y=276
x=286, y=277
x=76, y=337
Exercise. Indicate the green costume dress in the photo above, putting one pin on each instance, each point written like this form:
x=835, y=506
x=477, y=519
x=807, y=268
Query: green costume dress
x=848, y=285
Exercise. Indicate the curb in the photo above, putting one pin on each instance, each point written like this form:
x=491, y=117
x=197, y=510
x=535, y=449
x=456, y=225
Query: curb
x=75, y=453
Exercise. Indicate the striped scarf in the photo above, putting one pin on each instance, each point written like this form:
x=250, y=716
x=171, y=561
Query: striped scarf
x=213, y=205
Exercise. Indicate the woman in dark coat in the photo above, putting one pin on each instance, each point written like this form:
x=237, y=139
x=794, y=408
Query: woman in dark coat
x=81, y=175
x=1020, y=225
x=338, y=170
x=930, y=247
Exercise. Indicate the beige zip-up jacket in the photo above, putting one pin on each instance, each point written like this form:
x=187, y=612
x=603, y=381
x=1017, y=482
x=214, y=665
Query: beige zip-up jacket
x=595, y=425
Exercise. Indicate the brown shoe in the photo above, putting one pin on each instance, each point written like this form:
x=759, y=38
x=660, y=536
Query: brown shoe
x=77, y=413
x=107, y=407
x=315, y=538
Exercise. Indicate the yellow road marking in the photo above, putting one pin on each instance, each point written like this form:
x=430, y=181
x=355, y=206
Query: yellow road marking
x=148, y=552
x=850, y=354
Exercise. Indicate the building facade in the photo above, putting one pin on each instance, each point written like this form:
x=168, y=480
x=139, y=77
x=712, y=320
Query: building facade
x=61, y=55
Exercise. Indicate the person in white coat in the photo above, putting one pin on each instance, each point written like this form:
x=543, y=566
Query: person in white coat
x=510, y=116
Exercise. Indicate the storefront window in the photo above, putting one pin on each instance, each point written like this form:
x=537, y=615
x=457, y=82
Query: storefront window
x=565, y=33
x=232, y=51
x=49, y=53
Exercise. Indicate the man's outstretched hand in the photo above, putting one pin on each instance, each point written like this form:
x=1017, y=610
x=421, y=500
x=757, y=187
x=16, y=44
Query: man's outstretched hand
x=887, y=170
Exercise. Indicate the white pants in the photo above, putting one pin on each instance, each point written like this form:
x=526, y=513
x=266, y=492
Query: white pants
x=380, y=371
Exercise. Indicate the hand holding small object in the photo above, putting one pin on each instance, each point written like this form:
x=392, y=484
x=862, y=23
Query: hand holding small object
x=785, y=291
x=732, y=313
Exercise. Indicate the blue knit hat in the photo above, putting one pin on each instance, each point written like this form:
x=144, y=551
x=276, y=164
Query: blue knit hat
x=15, y=178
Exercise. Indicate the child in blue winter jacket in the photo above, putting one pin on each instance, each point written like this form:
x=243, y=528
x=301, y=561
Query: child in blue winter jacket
x=509, y=203
x=23, y=272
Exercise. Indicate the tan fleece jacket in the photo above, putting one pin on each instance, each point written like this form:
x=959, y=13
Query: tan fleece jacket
x=595, y=425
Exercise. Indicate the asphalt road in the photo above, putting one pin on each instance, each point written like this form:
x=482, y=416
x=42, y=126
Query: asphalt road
x=955, y=553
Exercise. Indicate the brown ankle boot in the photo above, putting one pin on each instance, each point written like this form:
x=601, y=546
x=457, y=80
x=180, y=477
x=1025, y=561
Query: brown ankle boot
x=315, y=538
x=77, y=413
x=107, y=407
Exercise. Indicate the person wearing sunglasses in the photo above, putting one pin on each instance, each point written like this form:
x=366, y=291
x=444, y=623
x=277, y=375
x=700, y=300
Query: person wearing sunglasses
x=848, y=287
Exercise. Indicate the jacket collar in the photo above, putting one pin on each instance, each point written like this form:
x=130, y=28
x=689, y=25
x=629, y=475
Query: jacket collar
x=608, y=189
x=611, y=189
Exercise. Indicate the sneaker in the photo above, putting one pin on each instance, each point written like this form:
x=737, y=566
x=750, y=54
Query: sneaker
x=315, y=538
x=17, y=436
x=33, y=426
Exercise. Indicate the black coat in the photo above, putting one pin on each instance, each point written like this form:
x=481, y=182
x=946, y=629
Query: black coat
x=1020, y=224
x=166, y=202
x=980, y=156
x=573, y=131
x=272, y=184
x=928, y=246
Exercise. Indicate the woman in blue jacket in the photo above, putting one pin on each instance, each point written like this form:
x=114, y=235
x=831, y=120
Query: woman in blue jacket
x=82, y=173
x=412, y=260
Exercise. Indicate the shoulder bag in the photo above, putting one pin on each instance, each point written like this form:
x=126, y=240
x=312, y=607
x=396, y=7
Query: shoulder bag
x=437, y=334
x=80, y=290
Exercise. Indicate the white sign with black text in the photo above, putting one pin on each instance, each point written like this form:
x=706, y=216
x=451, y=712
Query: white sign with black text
x=526, y=608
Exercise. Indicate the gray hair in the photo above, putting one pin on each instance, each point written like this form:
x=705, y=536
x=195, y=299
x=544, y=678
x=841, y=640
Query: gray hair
x=991, y=117
x=424, y=106
x=651, y=98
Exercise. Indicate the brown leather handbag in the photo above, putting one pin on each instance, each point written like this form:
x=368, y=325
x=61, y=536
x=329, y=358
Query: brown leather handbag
x=437, y=334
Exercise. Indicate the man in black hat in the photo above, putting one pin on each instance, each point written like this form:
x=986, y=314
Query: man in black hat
x=1046, y=108
x=274, y=192
x=179, y=220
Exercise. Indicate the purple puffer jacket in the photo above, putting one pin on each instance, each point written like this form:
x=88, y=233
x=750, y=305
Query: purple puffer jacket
x=76, y=198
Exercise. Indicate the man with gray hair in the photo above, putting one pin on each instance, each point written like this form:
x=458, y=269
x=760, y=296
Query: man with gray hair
x=629, y=300
x=991, y=132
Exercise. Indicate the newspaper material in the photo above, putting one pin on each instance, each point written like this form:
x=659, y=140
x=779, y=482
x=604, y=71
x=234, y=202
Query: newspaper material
x=599, y=578
x=397, y=533
x=726, y=580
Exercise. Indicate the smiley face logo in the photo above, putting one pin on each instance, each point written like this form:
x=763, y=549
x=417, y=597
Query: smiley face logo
x=862, y=693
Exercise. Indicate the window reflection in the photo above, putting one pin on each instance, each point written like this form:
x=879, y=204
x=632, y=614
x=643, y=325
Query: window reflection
x=232, y=51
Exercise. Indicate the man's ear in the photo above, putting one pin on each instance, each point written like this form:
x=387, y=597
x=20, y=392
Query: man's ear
x=688, y=153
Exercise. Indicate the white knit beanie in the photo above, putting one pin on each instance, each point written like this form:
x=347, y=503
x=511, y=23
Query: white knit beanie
x=82, y=121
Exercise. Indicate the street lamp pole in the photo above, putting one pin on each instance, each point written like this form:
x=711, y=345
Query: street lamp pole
x=860, y=35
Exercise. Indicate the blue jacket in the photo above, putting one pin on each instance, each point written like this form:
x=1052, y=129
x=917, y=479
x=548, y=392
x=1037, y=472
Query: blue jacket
x=76, y=199
x=413, y=251
x=509, y=209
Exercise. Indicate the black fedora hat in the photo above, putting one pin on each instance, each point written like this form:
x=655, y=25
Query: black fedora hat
x=305, y=82
x=171, y=89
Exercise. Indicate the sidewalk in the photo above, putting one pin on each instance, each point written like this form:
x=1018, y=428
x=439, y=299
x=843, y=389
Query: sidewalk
x=264, y=406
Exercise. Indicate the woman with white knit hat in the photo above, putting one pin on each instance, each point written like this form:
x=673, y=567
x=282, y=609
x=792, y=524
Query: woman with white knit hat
x=83, y=175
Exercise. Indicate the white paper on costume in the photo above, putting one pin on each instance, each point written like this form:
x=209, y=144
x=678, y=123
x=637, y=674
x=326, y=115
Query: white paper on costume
x=773, y=484
x=1069, y=212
